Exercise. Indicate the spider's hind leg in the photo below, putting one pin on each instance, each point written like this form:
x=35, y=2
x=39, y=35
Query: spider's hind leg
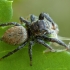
x=15, y=50
x=10, y=23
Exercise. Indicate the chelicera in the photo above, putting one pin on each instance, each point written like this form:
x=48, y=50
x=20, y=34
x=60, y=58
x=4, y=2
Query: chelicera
x=36, y=30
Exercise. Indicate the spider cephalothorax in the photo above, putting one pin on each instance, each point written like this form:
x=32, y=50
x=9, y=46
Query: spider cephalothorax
x=37, y=30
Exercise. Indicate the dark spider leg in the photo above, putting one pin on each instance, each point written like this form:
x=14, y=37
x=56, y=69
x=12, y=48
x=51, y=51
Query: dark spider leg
x=59, y=42
x=15, y=50
x=10, y=23
x=45, y=44
x=42, y=15
x=25, y=21
x=56, y=40
x=33, y=18
x=30, y=51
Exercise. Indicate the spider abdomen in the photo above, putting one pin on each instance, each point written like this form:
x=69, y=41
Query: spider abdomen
x=15, y=35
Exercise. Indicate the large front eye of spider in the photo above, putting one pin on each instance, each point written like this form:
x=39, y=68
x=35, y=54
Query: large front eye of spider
x=39, y=28
x=43, y=27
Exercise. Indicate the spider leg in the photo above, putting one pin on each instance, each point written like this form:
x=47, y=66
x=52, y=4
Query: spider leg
x=25, y=21
x=33, y=17
x=46, y=45
x=59, y=42
x=42, y=15
x=30, y=51
x=10, y=23
x=56, y=40
x=15, y=50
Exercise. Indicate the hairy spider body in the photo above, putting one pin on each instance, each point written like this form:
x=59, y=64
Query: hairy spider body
x=15, y=35
x=36, y=31
x=39, y=28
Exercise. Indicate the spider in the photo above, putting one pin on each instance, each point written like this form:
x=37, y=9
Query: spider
x=34, y=31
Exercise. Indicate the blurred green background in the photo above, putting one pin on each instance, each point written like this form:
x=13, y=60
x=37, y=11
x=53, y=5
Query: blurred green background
x=59, y=10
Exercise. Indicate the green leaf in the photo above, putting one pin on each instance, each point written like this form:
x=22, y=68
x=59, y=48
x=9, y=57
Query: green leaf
x=6, y=11
x=41, y=61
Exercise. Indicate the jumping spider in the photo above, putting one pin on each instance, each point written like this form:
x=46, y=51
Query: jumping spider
x=35, y=31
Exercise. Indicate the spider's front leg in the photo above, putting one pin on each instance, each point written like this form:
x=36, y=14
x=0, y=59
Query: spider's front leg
x=46, y=45
x=10, y=23
x=57, y=41
x=30, y=51
x=25, y=21
x=15, y=50
x=42, y=15
x=33, y=17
